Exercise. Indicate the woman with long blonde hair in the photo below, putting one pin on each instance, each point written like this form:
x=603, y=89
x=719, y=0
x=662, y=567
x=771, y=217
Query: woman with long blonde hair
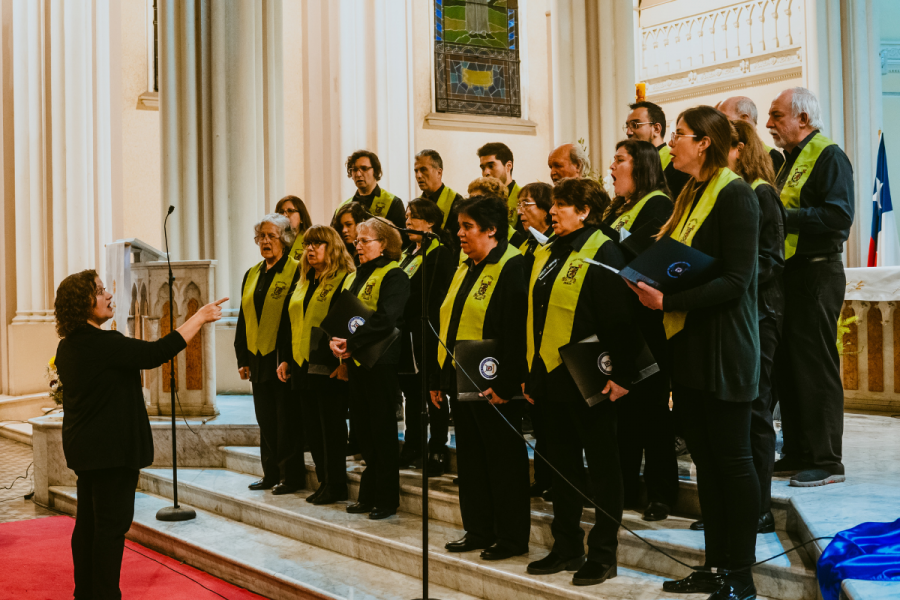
x=324, y=265
x=714, y=344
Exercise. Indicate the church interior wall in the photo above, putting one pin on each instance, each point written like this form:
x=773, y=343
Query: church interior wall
x=889, y=25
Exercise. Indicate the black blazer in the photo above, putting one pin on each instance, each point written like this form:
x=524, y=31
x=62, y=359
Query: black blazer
x=105, y=422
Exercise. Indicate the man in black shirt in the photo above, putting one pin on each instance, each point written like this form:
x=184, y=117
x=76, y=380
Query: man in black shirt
x=816, y=186
x=429, y=169
x=742, y=108
x=647, y=122
x=364, y=168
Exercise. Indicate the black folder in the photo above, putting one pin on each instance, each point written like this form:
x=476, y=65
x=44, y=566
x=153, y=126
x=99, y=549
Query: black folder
x=478, y=359
x=346, y=315
x=670, y=266
x=322, y=360
x=639, y=241
x=590, y=365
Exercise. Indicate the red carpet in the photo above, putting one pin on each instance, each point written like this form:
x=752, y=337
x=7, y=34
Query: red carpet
x=36, y=564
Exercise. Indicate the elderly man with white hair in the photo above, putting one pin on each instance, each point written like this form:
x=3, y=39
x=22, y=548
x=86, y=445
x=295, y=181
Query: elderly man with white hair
x=568, y=160
x=742, y=108
x=816, y=186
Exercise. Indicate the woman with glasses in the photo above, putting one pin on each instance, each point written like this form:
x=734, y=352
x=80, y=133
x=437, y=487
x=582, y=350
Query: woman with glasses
x=265, y=292
x=714, y=343
x=645, y=430
x=436, y=258
x=324, y=265
x=384, y=287
x=294, y=209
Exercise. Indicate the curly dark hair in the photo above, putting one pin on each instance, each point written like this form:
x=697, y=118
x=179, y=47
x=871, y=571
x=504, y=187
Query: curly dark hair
x=585, y=195
x=373, y=158
x=75, y=301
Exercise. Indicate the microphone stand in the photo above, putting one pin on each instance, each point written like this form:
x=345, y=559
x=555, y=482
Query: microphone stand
x=173, y=513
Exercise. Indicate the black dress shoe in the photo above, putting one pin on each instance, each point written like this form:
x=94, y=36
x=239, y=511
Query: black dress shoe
x=554, y=563
x=537, y=490
x=262, y=484
x=698, y=582
x=377, y=514
x=497, y=552
x=359, y=508
x=466, y=544
x=697, y=525
x=592, y=573
x=330, y=495
x=435, y=464
x=766, y=523
x=408, y=458
x=312, y=497
x=656, y=511
x=285, y=488
x=734, y=591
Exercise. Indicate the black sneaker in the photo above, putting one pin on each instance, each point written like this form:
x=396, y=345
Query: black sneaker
x=816, y=478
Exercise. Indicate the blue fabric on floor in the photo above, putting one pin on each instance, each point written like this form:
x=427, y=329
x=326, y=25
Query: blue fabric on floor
x=869, y=551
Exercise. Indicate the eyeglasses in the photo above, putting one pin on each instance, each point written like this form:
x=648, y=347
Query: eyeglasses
x=524, y=203
x=632, y=125
x=362, y=170
x=313, y=245
x=677, y=136
x=288, y=211
x=362, y=241
x=270, y=237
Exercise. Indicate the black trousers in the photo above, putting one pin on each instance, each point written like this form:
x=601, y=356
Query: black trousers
x=373, y=395
x=493, y=473
x=543, y=474
x=439, y=418
x=809, y=378
x=576, y=432
x=105, y=512
x=281, y=442
x=646, y=431
x=762, y=428
x=718, y=434
x=324, y=404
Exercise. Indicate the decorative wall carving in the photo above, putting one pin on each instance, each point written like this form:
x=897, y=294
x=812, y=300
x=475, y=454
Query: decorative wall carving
x=890, y=57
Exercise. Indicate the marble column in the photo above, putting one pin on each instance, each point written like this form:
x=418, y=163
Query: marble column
x=221, y=129
x=570, y=68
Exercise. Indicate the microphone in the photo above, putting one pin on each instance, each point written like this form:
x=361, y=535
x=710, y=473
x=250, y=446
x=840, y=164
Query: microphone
x=424, y=234
x=171, y=210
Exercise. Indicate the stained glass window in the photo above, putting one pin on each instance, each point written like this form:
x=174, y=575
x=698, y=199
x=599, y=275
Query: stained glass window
x=476, y=52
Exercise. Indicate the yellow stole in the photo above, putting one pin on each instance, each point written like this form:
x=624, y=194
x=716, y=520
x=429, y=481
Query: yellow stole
x=664, y=156
x=262, y=334
x=413, y=266
x=512, y=202
x=445, y=202
x=628, y=218
x=302, y=321
x=296, y=250
x=370, y=291
x=381, y=204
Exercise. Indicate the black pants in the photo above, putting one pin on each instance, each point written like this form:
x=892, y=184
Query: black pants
x=543, y=474
x=373, y=395
x=762, y=429
x=645, y=431
x=493, y=473
x=105, y=512
x=809, y=378
x=718, y=434
x=280, y=419
x=575, y=432
x=324, y=404
x=439, y=418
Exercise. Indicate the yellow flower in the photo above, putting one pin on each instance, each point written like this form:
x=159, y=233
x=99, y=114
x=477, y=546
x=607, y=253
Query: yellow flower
x=52, y=362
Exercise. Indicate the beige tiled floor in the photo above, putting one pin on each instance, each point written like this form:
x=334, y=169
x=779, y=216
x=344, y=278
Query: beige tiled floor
x=15, y=458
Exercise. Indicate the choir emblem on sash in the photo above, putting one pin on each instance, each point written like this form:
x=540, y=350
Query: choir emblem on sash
x=279, y=289
x=367, y=291
x=623, y=222
x=797, y=175
x=323, y=295
x=678, y=269
x=688, y=229
x=572, y=273
x=488, y=368
x=483, y=287
x=354, y=323
x=377, y=207
x=604, y=363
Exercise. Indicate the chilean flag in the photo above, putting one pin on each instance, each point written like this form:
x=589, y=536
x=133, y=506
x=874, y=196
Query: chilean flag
x=884, y=245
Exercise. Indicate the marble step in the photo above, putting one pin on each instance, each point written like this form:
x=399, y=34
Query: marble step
x=789, y=577
x=269, y=564
x=394, y=543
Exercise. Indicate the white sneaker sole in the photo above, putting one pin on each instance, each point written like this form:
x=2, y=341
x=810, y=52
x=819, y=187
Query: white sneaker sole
x=820, y=482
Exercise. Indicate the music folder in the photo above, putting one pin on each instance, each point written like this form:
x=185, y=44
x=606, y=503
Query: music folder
x=478, y=359
x=670, y=266
x=638, y=241
x=591, y=366
x=322, y=360
x=346, y=315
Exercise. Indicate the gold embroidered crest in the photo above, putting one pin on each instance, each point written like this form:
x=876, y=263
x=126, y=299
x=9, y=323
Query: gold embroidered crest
x=323, y=295
x=367, y=291
x=797, y=175
x=483, y=287
x=278, y=290
x=572, y=273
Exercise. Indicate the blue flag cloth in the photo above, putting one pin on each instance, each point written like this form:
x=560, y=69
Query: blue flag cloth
x=869, y=551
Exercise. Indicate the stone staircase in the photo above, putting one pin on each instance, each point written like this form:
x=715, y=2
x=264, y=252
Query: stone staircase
x=284, y=547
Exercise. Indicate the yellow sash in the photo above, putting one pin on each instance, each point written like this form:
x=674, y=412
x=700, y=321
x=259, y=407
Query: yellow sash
x=445, y=202
x=302, y=321
x=687, y=228
x=471, y=321
x=628, y=218
x=563, y=300
x=297, y=248
x=370, y=291
x=413, y=266
x=758, y=183
x=262, y=335
x=800, y=172
x=381, y=204
x=512, y=202
x=664, y=156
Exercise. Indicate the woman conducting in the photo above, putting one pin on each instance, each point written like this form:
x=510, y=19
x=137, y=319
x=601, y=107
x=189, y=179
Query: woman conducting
x=439, y=265
x=324, y=265
x=714, y=344
x=383, y=287
x=294, y=209
x=645, y=422
x=486, y=301
x=265, y=291
x=106, y=433
x=570, y=299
